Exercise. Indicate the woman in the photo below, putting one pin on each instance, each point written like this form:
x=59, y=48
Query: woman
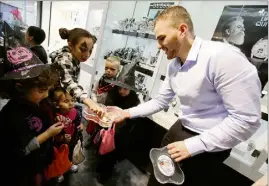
x=67, y=61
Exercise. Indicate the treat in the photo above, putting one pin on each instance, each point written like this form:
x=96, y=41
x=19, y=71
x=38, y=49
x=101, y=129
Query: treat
x=111, y=114
x=106, y=121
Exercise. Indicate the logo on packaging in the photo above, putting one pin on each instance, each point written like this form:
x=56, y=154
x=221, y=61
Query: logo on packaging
x=166, y=165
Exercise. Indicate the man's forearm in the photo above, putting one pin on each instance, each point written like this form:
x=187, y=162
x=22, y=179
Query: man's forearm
x=146, y=109
x=222, y=137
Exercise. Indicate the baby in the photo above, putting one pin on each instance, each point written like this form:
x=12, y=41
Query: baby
x=101, y=88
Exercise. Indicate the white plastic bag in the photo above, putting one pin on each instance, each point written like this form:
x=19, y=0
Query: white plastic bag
x=78, y=156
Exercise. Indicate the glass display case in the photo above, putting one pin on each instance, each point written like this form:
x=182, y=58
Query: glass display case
x=20, y=11
x=128, y=34
x=72, y=16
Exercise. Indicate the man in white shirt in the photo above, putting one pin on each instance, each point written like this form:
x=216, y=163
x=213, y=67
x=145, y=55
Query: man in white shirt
x=219, y=92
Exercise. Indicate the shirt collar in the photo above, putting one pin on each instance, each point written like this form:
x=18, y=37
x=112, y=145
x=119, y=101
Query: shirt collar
x=193, y=53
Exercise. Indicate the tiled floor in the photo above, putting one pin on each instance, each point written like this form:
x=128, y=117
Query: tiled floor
x=125, y=173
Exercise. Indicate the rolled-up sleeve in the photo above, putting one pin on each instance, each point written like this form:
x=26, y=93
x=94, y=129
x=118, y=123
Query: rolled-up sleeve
x=32, y=145
x=236, y=81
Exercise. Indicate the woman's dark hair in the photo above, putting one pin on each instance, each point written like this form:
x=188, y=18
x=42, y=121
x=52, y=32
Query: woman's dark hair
x=75, y=34
x=10, y=89
x=37, y=33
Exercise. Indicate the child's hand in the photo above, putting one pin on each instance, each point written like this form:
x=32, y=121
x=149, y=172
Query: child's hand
x=59, y=138
x=55, y=129
x=80, y=127
x=67, y=138
x=64, y=120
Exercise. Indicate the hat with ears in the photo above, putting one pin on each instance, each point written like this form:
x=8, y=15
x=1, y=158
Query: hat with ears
x=126, y=78
x=16, y=60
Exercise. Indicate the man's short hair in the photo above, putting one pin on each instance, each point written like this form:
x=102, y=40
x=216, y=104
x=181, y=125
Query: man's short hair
x=177, y=14
x=37, y=33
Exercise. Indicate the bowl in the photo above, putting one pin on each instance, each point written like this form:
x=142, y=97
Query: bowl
x=111, y=114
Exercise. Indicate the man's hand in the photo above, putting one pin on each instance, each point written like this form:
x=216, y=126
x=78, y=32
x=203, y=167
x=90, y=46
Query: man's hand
x=122, y=115
x=178, y=151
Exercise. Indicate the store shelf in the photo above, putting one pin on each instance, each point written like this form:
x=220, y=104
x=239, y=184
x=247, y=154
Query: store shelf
x=134, y=34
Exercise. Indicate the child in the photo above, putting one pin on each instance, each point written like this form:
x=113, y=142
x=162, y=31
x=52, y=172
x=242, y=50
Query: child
x=123, y=95
x=26, y=131
x=35, y=37
x=101, y=88
x=64, y=108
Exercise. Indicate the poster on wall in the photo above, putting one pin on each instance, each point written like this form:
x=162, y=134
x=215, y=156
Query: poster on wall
x=246, y=27
x=156, y=8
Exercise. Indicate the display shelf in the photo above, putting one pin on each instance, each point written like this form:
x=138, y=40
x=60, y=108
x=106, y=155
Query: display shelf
x=143, y=68
x=134, y=34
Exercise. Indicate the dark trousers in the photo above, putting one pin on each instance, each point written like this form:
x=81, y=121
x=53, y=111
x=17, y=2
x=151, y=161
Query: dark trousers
x=201, y=170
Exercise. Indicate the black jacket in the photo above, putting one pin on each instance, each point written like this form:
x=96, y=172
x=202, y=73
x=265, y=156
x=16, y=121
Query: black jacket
x=40, y=52
x=21, y=121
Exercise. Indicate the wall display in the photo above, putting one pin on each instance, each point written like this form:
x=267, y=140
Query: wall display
x=156, y=8
x=246, y=27
x=134, y=40
x=140, y=82
x=139, y=28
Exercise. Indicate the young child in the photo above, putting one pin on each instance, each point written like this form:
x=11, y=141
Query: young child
x=64, y=108
x=123, y=95
x=101, y=88
x=35, y=36
x=26, y=130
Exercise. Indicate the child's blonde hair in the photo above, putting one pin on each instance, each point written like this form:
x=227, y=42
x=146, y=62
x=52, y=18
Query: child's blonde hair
x=114, y=59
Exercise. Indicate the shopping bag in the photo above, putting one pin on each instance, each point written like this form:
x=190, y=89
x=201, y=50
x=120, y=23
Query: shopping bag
x=78, y=156
x=107, y=140
x=91, y=127
x=61, y=163
x=97, y=138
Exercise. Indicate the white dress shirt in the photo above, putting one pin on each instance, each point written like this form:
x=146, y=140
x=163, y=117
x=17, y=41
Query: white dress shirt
x=219, y=92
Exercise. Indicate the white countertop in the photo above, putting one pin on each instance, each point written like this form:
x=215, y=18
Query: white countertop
x=164, y=119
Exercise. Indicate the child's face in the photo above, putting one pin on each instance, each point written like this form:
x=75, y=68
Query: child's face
x=28, y=39
x=36, y=95
x=111, y=69
x=66, y=103
x=124, y=92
